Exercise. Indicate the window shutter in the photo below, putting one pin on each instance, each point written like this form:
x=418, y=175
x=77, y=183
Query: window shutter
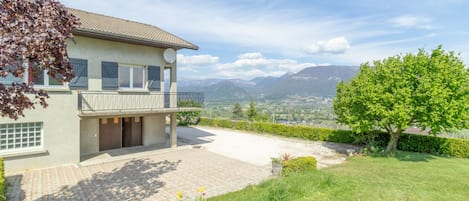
x=80, y=67
x=154, y=83
x=109, y=75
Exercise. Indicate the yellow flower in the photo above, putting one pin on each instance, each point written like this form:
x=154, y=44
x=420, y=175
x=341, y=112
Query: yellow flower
x=201, y=189
x=179, y=195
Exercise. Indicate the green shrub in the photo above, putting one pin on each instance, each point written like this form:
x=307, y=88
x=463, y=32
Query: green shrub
x=407, y=142
x=309, y=133
x=241, y=125
x=300, y=164
x=434, y=145
x=225, y=123
x=2, y=181
x=204, y=121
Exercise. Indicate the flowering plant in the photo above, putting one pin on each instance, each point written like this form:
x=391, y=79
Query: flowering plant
x=201, y=195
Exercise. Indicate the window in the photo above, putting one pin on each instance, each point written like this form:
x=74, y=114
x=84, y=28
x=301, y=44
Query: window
x=131, y=76
x=44, y=80
x=18, y=136
x=80, y=66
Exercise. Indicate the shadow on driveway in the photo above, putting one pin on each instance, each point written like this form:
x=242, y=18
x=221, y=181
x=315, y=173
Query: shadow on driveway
x=135, y=180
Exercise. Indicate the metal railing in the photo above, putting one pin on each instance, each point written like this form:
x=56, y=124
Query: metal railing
x=115, y=101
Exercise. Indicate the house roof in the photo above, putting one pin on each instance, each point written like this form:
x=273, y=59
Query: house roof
x=116, y=29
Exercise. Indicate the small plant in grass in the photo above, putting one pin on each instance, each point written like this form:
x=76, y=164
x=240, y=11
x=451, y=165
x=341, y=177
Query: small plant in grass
x=300, y=164
x=371, y=148
x=276, y=166
x=277, y=163
x=201, y=195
x=287, y=157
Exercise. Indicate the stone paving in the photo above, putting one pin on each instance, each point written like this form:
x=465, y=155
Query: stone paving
x=154, y=177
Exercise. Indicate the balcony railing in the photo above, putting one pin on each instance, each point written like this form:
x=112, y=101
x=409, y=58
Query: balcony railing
x=127, y=101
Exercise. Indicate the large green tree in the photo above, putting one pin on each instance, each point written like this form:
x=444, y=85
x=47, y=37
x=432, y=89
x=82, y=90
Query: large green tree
x=237, y=111
x=426, y=90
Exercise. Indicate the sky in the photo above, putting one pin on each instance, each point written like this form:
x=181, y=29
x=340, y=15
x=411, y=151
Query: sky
x=253, y=38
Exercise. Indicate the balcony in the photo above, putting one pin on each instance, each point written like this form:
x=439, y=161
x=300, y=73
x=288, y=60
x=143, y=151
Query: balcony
x=131, y=103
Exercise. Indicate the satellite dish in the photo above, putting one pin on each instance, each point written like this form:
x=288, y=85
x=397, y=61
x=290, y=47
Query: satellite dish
x=169, y=55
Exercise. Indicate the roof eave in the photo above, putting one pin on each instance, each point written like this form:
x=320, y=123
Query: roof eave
x=133, y=40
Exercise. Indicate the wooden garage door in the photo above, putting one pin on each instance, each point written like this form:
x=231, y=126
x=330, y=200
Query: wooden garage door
x=132, y=131
x=110, y=134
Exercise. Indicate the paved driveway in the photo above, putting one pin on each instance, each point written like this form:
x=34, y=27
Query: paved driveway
x=225, y=161
x=154, y=177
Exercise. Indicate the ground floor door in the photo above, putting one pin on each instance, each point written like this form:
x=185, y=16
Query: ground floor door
x=132, y=131
x=110, y=133
x=117, y=132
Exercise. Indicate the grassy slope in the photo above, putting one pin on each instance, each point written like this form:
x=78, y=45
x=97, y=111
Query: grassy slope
x=406, y=176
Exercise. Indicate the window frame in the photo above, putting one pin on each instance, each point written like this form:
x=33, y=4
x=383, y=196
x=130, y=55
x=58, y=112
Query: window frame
x=131, y=77
x=46, y=84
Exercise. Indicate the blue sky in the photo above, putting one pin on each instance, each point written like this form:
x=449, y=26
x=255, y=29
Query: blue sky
x=246, y=39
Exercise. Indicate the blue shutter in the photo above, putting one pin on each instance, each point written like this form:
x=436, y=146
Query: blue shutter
x=154, y=83
x=109, y=75
x=80, y=67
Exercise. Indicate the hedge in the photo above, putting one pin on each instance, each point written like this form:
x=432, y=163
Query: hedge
x=304, y=132
x=407, y=142
x=2, y=181
x=300, y=164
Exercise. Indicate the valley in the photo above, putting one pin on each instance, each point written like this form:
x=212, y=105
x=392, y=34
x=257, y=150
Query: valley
x=294, y=98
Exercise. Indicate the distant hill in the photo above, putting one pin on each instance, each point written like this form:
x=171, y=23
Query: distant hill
x=312, y=81
x=226, y=90
x=217, y=89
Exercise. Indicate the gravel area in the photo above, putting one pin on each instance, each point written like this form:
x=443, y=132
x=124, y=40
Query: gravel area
x=258, y=149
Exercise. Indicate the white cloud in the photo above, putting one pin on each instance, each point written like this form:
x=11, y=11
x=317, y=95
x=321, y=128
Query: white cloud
x=197, y=60
x=408, y=21
x=247, y=65
x=251, y=55
x=337, y=45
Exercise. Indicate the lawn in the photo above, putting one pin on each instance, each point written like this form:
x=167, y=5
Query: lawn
x=405, y=176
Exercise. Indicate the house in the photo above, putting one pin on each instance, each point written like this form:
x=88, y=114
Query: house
x=116, y=100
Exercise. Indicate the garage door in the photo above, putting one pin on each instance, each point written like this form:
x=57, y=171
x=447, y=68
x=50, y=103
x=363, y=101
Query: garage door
x=110, y=133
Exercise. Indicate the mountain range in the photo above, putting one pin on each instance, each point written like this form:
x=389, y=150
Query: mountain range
x=312, y=81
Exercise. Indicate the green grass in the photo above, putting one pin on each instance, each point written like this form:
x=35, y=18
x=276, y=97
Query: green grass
x=404, y=176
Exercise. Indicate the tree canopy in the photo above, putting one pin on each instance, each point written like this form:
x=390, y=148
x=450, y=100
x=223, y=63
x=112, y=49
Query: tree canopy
x=426, y=90
x=237, y=111
x=251, y=113
x=32, y=38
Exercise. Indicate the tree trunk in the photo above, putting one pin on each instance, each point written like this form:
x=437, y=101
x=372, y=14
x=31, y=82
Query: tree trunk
x=392, y=144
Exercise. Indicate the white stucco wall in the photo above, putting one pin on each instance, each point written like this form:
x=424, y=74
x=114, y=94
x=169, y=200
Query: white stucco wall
x=61, y=127
x=89, y=136
x=154, y=129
